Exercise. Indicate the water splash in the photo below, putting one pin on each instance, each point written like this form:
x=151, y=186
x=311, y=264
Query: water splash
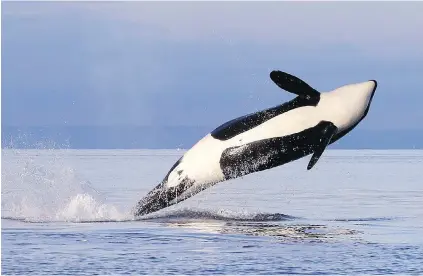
x=84, y=208
x=46, y=189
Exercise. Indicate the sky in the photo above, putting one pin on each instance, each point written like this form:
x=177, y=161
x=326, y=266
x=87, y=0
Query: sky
x=200, y=64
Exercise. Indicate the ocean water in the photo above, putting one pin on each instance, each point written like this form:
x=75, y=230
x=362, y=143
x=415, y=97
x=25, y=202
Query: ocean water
x=68, y=212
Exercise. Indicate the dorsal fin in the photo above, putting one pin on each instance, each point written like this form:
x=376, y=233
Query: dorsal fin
x=327, y=132
x=293, y=84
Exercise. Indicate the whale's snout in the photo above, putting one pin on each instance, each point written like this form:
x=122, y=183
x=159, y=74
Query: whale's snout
x=372, y=86
x=371, y=89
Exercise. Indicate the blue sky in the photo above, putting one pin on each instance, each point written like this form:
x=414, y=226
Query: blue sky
x=202, y=63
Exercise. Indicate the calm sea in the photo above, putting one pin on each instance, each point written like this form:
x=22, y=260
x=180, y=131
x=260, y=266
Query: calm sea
x=69, y=212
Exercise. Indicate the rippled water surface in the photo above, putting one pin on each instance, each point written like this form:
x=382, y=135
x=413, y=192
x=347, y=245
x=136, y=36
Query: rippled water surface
x=69, y=212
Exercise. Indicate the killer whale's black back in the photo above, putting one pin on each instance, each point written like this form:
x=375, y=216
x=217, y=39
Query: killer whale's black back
x=241, y=124
x=272, y=152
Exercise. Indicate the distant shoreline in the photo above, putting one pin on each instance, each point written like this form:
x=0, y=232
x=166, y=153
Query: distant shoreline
x=175, y=137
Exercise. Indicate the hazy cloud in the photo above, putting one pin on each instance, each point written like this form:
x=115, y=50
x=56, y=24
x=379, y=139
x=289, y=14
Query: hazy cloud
x=376, y=28
x=202, y=63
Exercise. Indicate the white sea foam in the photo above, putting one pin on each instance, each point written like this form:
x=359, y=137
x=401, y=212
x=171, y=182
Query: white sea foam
x=40, y=190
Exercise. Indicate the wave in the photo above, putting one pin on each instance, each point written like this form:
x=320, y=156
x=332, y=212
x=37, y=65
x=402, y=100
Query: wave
x=369, y=219
x=84, y=209
x=221, y=215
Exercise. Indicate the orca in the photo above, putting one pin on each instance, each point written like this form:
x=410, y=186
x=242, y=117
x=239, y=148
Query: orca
x=266, y=139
